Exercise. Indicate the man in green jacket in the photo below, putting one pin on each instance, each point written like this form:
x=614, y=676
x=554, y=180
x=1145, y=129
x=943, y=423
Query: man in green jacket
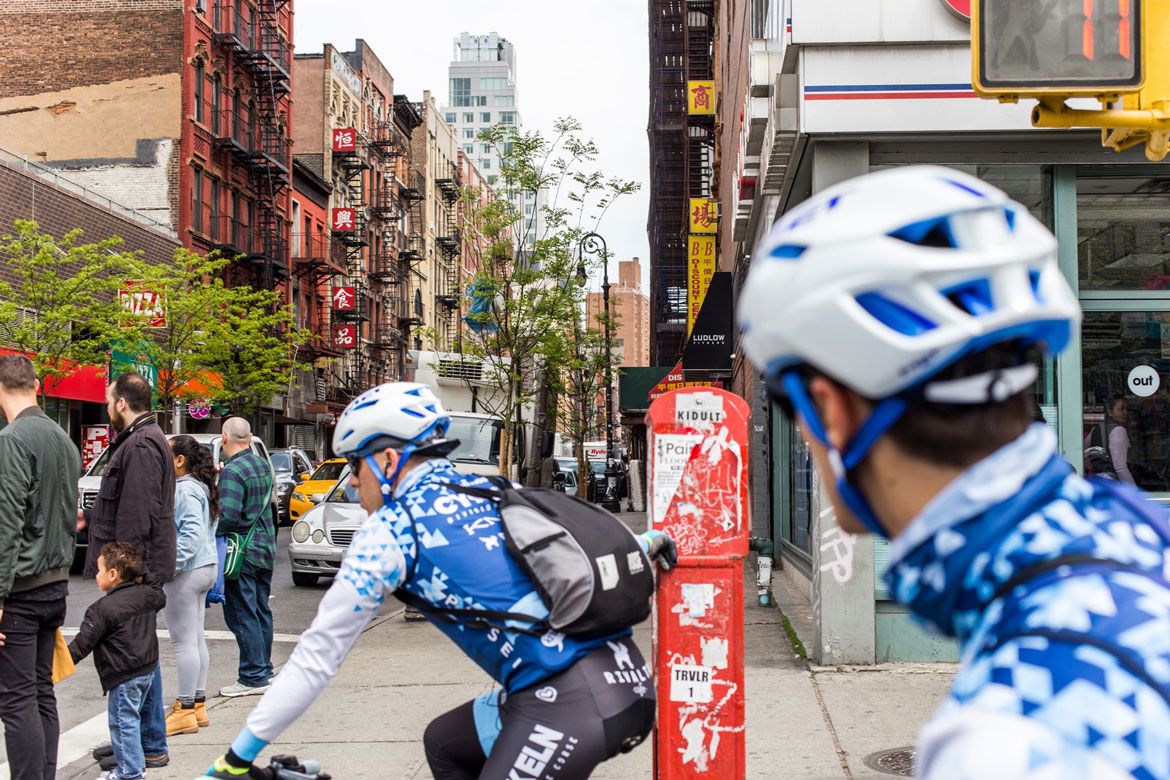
x=39, y=467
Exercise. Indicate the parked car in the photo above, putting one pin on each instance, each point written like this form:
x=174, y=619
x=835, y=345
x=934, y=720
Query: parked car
x=322, y=535
x=91, y=482
x=292, y=467
x=314, y=487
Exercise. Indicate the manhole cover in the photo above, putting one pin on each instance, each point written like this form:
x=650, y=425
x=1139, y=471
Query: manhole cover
x=899, y=761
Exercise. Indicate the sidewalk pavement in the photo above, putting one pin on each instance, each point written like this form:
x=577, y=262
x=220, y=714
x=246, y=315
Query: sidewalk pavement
x=802, y=722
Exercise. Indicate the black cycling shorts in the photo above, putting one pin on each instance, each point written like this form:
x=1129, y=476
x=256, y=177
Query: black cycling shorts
x=559, y=729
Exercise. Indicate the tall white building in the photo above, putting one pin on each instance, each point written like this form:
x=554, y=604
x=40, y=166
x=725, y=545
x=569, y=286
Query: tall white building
x=482, y=93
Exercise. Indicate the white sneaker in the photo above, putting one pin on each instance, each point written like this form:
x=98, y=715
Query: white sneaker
x=232, y=691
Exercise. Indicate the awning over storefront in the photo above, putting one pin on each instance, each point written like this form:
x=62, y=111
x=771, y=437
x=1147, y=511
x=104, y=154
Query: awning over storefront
x=708, y=351
x=82, y=383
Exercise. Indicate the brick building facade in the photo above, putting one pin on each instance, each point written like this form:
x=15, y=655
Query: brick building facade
x=629, y=306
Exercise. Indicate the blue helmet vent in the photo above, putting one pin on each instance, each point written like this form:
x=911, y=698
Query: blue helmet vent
x=413, y=412
x=1034, y=278
x=894, y=315
x=788, y=252
x=973, y=297
x=934, y=232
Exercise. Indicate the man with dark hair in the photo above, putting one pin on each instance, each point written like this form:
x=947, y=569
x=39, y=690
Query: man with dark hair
x=136, y=504
x=901, y=317
x=39, y=467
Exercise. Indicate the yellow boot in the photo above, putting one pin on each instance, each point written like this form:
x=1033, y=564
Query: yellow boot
x=182, y=721
x=201, y=714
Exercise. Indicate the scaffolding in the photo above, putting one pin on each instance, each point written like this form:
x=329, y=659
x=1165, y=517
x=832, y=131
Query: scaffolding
x=682, y=150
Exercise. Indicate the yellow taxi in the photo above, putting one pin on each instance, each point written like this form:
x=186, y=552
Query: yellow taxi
x=316, y=484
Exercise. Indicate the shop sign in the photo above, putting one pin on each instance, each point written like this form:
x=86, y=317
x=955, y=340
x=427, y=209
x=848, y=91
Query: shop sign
x=704, y=215
x=347, y=74
x=94, y=440
x=700, y=268
x=343, y=220
x=1144, y=381
x=143, y=303
x=344, y=139
x=133, y=357
x=199, y=409
x=701, y=98
x=344, y=298
x=674, y=381
x=710, y=344
x=345, y=336
x=960, y=8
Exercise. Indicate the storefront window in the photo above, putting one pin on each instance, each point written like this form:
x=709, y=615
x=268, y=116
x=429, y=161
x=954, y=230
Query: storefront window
x=1126, y=414
x=1123, y=233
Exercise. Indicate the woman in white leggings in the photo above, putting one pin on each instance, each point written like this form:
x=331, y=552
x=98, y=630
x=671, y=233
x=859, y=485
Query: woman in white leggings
x=196, y=507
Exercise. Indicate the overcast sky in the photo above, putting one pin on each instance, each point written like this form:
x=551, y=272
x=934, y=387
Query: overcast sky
x=588, y=60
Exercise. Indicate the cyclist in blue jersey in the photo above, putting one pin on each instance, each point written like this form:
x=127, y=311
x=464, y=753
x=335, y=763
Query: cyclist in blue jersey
x=902, y=316
x=565, y=703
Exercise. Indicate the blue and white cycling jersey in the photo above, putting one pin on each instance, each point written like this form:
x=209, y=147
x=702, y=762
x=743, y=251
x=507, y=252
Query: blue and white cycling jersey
x=1051, y=683
x=460, y=561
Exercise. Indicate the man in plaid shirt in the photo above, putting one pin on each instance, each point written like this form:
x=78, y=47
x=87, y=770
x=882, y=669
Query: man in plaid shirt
x=245, y=492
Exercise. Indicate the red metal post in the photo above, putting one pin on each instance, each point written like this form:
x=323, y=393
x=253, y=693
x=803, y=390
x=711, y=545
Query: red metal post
x=697, y=493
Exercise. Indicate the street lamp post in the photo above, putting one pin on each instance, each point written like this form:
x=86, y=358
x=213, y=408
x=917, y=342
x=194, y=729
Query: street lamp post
x=595, y=245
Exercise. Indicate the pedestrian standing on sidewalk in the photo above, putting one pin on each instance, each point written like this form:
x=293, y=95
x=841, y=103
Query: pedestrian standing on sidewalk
x=245, y=491
x=39, y=467
x=196, y=507
x=120, y=630
x=136, y=504
x=903, y=317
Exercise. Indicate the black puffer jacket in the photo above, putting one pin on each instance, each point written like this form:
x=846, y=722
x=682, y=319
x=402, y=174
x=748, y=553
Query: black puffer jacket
x=119, y=629
x=136, y=502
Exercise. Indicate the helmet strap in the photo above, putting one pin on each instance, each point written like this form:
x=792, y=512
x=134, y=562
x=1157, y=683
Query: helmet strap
x=388, y=482
x=883, y=417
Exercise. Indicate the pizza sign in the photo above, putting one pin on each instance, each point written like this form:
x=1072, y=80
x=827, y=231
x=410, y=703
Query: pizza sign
x=144, y=304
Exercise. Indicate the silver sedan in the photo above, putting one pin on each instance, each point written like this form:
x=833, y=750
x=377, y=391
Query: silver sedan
x=322, y=536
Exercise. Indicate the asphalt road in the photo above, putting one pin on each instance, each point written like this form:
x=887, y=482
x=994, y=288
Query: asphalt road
x=80, y=703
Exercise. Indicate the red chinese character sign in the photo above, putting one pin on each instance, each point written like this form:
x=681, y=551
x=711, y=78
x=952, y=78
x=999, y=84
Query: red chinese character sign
x=344, y=139
x=344, y=298
x=144, y=303
x=344, y=336
x=700, y=98
x=697, y=493
x=343, y=220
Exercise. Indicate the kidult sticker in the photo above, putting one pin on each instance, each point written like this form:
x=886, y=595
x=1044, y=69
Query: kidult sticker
x=1144, y=381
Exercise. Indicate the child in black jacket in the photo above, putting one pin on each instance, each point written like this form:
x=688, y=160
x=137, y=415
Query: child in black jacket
x=119, y=629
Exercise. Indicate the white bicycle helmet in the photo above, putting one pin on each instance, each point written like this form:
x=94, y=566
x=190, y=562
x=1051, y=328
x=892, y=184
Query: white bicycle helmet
x=404, y=416
x=883, y=281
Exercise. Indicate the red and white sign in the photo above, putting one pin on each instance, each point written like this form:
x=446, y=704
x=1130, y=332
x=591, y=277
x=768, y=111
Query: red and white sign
x=960, y=8
x=144, y=304
x=674, y=381
x=344, y=298
x=698, y=479
x=343, y=220
x=344, y=139
x=345, y=336
x=94, y=440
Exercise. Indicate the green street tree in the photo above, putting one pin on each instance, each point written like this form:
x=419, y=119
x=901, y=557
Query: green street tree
x=525, y=301
x=62, y=308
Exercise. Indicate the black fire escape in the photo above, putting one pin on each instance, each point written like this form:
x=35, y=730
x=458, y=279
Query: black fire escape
x=255, y=134
x=411, y=189
x=389, y=150
x=681, y=158
x=449, y=242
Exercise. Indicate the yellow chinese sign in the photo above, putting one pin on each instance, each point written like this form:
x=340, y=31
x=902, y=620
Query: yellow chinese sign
x=701, y=98
x=700, y=268
x=704, y=215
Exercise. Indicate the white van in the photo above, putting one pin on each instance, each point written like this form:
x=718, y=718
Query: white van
x=91, y=480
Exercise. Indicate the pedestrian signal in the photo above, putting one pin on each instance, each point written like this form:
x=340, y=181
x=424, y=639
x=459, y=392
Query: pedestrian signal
x=1057, y=47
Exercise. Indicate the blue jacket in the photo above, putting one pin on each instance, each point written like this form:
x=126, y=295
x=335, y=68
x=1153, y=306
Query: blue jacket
x=1066, y=672
x=194, y=528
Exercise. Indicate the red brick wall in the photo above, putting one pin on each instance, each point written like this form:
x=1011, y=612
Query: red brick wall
x=46, y=49
x=24, y=196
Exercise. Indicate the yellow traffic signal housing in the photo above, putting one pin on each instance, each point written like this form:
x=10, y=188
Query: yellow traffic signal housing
x=1034, y=48
x=1117, y=51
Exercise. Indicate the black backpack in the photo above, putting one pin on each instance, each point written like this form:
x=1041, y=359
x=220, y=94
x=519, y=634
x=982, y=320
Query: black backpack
x=587, y=566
